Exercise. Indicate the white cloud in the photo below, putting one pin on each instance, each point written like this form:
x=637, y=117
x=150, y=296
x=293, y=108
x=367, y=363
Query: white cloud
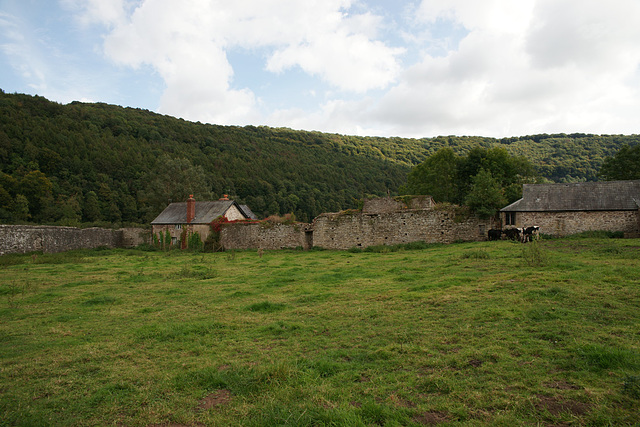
x=107, y=12
x=586, y=33
x=495, y=67
x=187, y=45
x=524, y=67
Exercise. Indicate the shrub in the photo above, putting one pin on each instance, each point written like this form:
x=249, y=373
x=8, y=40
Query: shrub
x=534, y=254
x=194, y=242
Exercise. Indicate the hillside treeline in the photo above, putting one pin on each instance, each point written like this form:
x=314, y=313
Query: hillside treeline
x=99, y=163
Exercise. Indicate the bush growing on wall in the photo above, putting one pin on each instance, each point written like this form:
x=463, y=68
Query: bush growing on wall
x=194, y=242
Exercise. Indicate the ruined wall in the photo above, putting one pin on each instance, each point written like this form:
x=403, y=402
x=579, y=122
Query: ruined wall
x=31, y=238
x=132, y=237
x=264, y=235
x=396, y=204
x=348, y=229
x=571, y=222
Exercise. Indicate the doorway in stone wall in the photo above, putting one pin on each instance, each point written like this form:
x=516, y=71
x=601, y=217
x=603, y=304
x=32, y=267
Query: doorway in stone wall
x=308, y=237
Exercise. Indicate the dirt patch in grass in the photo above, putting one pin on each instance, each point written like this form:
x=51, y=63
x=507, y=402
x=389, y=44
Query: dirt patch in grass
x=475, y=363
x=431, y=418
x=556, y=405
x=400, y=402
x=562, y=385
x=173, y=425
x=217, y=398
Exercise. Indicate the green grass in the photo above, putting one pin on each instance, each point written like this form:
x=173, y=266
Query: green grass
x=490, y=333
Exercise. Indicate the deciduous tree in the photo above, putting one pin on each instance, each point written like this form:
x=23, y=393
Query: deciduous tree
x=625, y=164
x=486, y=196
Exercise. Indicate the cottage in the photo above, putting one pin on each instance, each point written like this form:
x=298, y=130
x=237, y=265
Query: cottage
x=184, y=218
x=562, y=209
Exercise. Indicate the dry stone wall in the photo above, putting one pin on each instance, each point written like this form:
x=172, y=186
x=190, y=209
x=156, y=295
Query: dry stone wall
x=350, y=229
x=385, y=221
x=30, y=238
x=396, y=204
x=265, y=236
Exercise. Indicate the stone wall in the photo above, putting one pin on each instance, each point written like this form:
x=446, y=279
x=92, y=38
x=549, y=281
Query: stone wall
x=33, y=238
x=132, y=237
x=265, y=235
x=396, y=204
x=354, y=229
x=571, y=222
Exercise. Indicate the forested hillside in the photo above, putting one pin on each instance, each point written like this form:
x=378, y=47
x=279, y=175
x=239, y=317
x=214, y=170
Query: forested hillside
x=95, y=163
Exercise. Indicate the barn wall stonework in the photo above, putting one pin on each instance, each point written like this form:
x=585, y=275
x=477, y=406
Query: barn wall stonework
x=571, y=222
x=33, y=238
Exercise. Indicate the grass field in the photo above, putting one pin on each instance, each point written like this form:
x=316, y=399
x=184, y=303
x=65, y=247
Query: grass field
x=490, y=333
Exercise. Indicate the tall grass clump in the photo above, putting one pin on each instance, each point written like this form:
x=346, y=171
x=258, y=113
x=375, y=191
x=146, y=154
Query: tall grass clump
x=266, y=307
x=534, y=254
x=599, y=357
x=476, y=254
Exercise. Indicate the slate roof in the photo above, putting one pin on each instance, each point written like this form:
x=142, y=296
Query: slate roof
x=176, y=213
x=248, y=212
x=581, y=196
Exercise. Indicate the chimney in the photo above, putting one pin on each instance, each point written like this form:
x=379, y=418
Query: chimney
x=224, y=197
x=191, y=209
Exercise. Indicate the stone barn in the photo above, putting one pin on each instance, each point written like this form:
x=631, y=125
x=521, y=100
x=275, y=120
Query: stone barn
x=563, y=209
x=184, y=218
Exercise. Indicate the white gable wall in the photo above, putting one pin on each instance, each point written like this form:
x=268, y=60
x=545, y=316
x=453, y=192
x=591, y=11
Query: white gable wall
x=233, y=214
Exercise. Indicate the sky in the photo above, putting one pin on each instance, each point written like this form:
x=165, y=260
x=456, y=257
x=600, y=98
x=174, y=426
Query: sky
x=412, y=69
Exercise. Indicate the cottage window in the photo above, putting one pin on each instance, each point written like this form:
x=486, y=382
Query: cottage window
x=178, y=226
x=510, y=218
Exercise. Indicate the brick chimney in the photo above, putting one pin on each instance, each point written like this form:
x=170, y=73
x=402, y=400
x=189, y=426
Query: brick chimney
x=191, y=209
x=224, y=197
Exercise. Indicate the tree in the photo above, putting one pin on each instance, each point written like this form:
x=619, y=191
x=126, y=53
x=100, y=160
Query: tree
x=504, y=168
x=436, y=177
x=485, y=197
x=70, y=210
x=625, y=164
x=21, y=207
x=175, y=179
x=36, y=187
x=5, y=198
x=450, y=178
x=91, y=209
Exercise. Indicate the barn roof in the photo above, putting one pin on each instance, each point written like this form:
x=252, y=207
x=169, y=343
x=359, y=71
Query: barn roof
x=581, y=196
x=248, y=212
x=176, y=213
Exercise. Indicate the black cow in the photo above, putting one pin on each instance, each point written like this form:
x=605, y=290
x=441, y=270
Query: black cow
x=494, y=234
x=530, y=233
x=512, y=233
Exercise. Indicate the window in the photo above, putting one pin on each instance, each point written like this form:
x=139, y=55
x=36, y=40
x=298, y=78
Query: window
x=510, y=218
x=178, y=226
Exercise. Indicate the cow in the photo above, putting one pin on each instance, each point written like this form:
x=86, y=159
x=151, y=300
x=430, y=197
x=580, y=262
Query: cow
x=513, y=233
x=530, y=233
x=494, y=234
